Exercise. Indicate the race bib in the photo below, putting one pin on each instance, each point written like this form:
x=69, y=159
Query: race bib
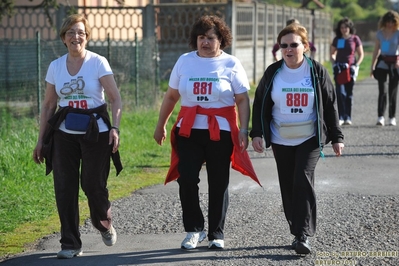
x=385, y=46
x=77, y=101
x=297, y=100
x=204, y=89
x=73, y=95
x=341, y=43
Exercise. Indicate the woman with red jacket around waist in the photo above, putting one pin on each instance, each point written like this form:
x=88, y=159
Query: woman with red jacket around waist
x=209, y=83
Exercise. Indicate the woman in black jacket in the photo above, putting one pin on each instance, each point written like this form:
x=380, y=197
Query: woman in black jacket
x=295, y=111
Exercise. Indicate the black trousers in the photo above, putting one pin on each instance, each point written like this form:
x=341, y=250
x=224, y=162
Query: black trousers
x=74, y=160
x=193, y=152
x=387, y=93
x=296, y=166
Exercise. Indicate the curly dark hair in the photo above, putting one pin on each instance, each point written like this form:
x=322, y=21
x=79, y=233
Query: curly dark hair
x=205, y=23
x=347, y=22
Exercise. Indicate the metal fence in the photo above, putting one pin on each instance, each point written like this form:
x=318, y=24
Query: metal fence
x=142, y=44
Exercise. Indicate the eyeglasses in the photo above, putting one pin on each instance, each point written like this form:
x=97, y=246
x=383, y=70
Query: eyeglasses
x=72, y=33
x=292, y=45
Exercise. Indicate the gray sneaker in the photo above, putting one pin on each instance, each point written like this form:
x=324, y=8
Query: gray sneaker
x=109, y=237
x=69, y=253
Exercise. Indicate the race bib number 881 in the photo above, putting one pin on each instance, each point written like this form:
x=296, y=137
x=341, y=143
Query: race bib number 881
x=203, y=89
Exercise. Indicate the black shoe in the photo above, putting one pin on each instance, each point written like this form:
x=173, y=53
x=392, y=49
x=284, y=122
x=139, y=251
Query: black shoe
x=294, y=242
x=302, y=247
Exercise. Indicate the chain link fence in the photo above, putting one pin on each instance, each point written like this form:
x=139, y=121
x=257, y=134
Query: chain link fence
x=24, y=65
x=142, y=45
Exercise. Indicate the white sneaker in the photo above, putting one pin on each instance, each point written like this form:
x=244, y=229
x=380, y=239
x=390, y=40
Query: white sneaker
x=348, y=122
x=392, y=121
x=341, y=122
x=380, y=121
x=109, y=237
x=192, y=239
x=69, y=253
x=216, y=244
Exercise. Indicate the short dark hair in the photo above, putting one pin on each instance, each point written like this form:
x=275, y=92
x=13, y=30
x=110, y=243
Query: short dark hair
x=205, y=23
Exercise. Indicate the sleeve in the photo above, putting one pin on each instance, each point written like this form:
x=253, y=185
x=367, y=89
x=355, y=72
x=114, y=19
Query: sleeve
x=174, y=76
x=334, y=42
x=104, y=68
x=358, y=41
x=330, y=108
x=240, y=83
x=50, y=73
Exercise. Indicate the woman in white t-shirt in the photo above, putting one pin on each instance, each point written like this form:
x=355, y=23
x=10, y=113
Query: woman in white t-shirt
x=78, y=141
x=210, y=83
x=295, y=112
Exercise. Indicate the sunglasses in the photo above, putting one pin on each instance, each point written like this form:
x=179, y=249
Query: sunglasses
x=292, y=45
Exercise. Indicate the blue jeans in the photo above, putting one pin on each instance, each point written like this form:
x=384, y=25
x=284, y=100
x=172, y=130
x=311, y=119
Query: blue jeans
x=345, y=100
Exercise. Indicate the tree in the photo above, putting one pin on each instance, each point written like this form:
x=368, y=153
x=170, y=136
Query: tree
x=7, y=7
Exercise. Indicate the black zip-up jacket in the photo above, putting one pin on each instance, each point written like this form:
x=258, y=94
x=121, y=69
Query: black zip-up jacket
x=328, y=128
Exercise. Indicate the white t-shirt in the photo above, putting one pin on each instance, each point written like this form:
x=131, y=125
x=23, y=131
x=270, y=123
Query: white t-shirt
x=209, y=83
x=83, y=90
x=294, y=99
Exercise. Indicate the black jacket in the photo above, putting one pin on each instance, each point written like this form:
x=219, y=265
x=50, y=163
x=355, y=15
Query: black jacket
x=90, y=135
x=328, y=128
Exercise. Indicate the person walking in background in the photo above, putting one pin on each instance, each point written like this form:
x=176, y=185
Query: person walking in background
x=344, y=48
x=295, y=112
x=276, y=47
x=385, y=63
x=78, y=141
x=209, y=83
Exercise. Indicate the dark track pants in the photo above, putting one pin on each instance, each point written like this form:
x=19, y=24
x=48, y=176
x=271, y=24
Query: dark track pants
x=70, y=153
x=193, y=152
x=296, y=166
x=387, y=93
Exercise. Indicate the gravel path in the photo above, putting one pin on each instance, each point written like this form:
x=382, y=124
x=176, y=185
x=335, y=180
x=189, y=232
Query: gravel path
x=353, y=228
x=358, y=212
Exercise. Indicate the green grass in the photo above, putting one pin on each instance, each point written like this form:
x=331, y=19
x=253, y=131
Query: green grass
x=27, y=205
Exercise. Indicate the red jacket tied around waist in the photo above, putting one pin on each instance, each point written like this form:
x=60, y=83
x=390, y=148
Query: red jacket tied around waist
x=240, y=161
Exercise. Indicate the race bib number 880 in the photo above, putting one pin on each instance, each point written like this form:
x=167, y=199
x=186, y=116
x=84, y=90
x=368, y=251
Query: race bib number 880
x=297, y=101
